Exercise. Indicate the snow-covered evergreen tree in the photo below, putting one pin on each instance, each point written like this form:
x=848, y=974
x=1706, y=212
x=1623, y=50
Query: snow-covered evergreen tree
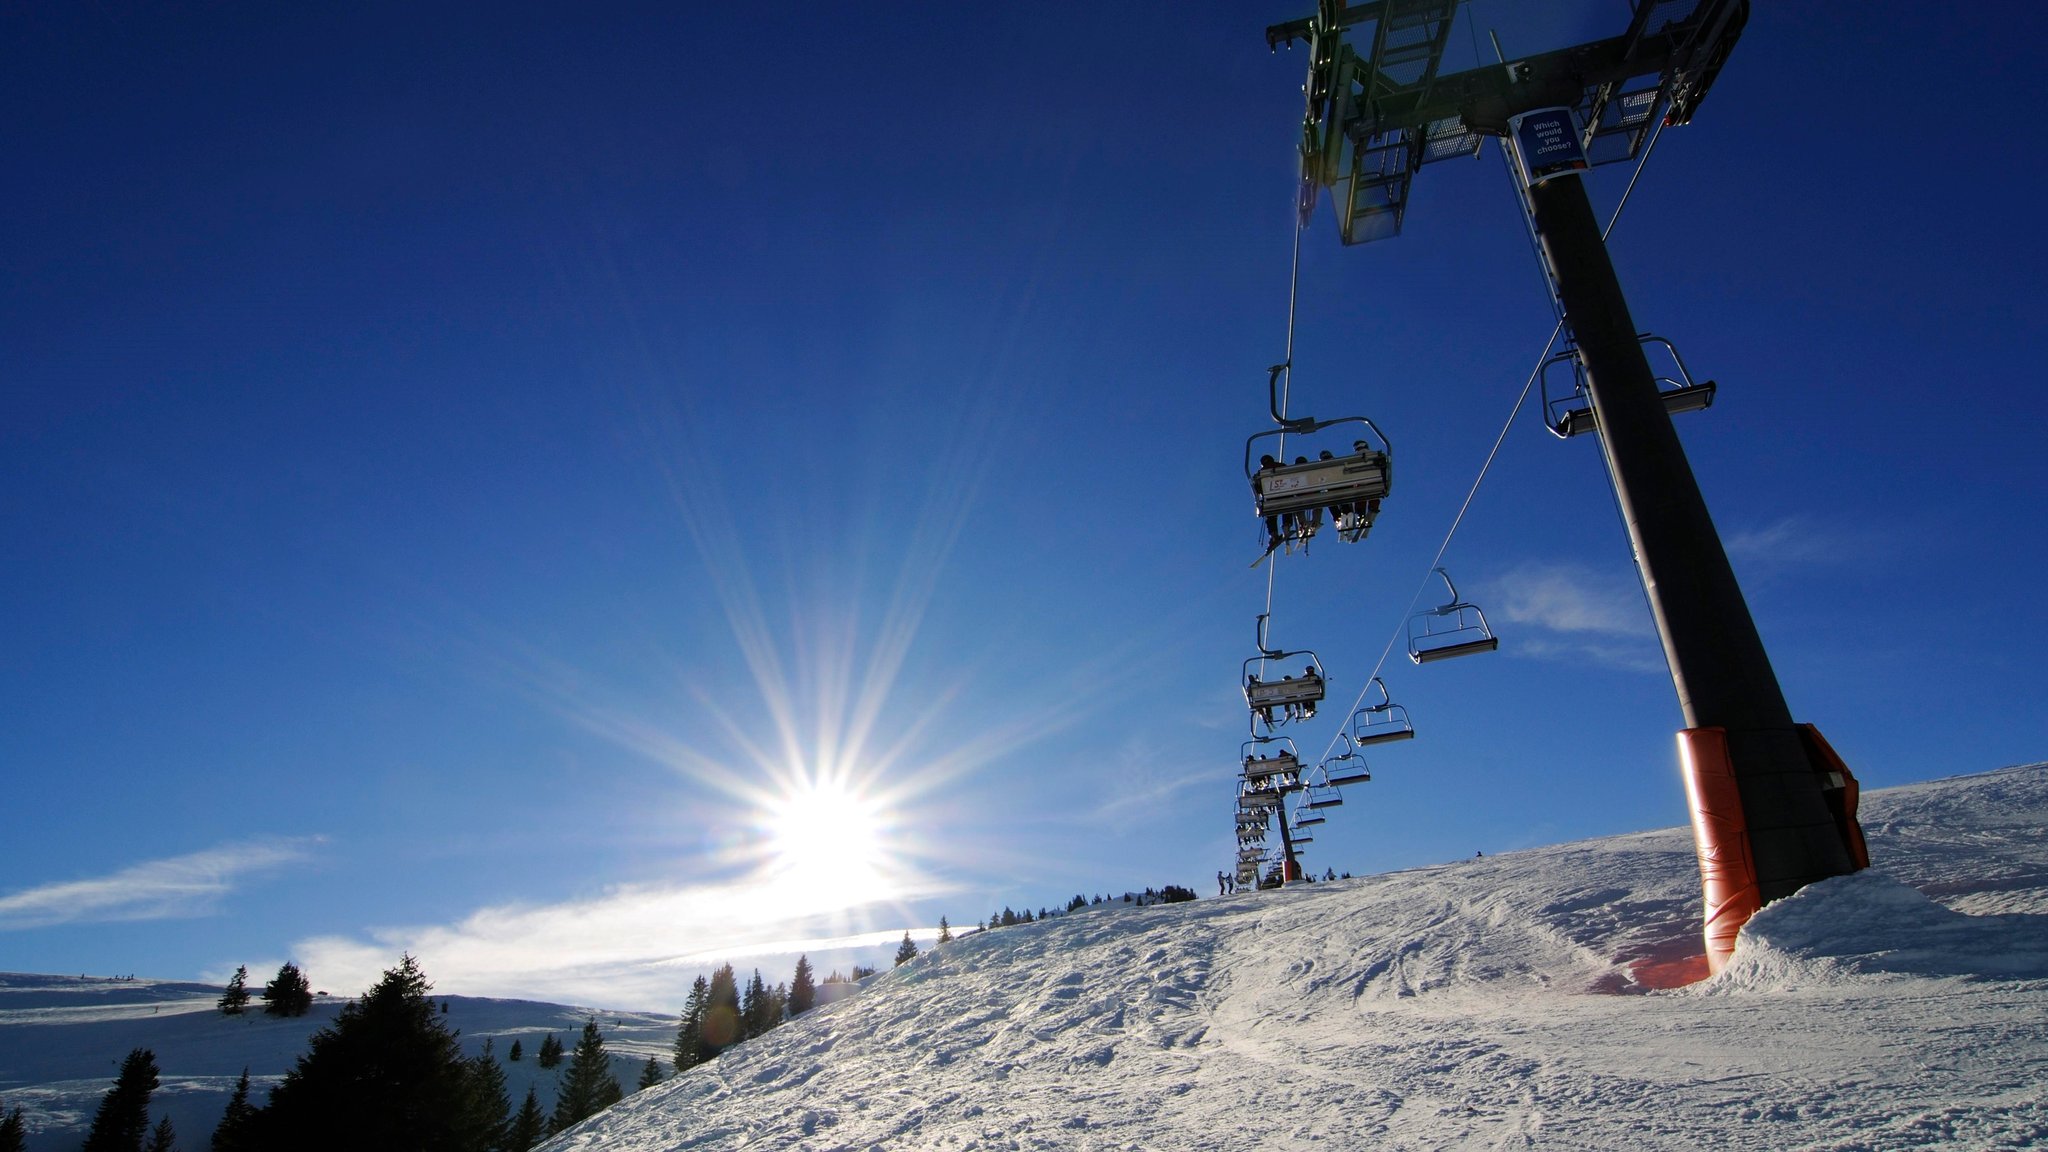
x=945, y=931
x=650, y=1075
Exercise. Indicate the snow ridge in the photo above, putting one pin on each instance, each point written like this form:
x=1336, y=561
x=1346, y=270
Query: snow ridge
x=1468, y=1005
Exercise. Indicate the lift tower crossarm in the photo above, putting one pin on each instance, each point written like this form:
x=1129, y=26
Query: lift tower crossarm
x=1377, y=113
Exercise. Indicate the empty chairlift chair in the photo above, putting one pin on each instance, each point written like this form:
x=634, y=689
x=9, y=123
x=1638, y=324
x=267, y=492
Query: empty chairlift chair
x=1346, y=767
x=1383, y=722
x=1454, y=628
x=1570, y=413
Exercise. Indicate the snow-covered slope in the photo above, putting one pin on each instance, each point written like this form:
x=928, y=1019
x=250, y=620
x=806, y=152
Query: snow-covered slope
x=1505, y=1002
x=62, y=1039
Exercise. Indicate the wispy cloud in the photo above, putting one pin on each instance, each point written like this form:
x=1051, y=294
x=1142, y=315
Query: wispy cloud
x=631, y=945
x=1580, y=615
x=1794, y=541
x=1572, y=598
x=181, y=886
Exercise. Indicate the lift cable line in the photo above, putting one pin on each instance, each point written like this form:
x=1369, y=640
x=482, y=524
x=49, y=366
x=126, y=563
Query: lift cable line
x=1521, y=398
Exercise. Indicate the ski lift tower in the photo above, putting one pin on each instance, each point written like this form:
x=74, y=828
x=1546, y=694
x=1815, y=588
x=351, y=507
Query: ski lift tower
x=1773, y=808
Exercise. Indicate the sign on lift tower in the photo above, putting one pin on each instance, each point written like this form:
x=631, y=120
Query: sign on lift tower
x=1773, y=808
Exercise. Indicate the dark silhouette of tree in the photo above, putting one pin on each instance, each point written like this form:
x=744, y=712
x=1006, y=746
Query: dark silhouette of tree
x=529, y=1127
x=123, y=1116
x=236, y=998
x=945, y=931
x=650, y=1075
x=516, y=1054
x=690, y=1032
x=761, y=1010
x=235, y=1132
x=164, y=1138
x=288, y=994
x=13, y=1132
x=482, y=1121
x=803, y=990
x=550, y=1051
x=386, y=1074
x=587, y=1087
x=906, y=951
x=721, y=1027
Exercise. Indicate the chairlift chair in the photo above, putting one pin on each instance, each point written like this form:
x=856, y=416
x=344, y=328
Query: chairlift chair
x=1291, y=697
x=1383, y=722
x=1571, y=413
x=1451, y=629
x=1309, y=820
x=1324, y=795
x=1354, y=773
x=1351, y=485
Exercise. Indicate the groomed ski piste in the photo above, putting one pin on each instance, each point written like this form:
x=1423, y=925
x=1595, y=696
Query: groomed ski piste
x=1503, y=1002
x=1493, y=1003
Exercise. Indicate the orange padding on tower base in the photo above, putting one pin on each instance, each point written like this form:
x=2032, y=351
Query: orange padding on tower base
x=1838, y=787
x=1721, y=834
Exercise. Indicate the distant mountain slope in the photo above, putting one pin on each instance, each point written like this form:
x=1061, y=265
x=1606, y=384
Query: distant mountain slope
x=1460, y=1006
x=62, y=1039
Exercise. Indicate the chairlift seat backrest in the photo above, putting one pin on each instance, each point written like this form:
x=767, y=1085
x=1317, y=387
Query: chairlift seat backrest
x=1350, y=776
x=1369, y=735
x=1306, y=688
x=1278, y=762
x=1306, y=821
x=1684, y=398
x=1363, y=475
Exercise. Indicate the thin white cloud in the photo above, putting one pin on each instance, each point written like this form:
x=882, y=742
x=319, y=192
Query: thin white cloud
x=1572, y=598
x=632, y=945
x=1793, y=541
x=179, y=887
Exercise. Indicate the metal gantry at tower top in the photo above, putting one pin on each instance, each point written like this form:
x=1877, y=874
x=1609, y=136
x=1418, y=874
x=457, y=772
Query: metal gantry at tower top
x=1773, y=808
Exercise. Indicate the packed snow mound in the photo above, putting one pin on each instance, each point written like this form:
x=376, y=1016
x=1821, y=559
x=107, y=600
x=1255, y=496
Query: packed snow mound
x=1870, y=924
x=1462, y=1006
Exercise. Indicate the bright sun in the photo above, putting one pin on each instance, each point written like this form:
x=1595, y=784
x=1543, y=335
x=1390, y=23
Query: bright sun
x=827, y=840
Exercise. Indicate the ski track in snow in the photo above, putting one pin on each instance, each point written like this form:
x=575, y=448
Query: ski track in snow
x=1485, y=1004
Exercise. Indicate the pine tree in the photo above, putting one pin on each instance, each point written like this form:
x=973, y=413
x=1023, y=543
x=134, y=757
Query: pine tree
x=236, y=998
x=803, y=992
x=721, y=1027
x=481, y=1122
x=945, y=931
x=386, y=1074
x=649, y=1075
x=288, y=994
x=588, y=1087
x=759, y=1011
x=516, y=1054
x=690, y=1032
x=236, y=1130
x=164, y=1138
x=906, y=951
x=550, y=1051
x=778, y=1004
x=529, y=1127
x=123, y=1115
x=13, y=1132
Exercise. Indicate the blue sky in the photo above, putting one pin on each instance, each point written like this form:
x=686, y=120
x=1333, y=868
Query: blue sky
x=464, y=472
